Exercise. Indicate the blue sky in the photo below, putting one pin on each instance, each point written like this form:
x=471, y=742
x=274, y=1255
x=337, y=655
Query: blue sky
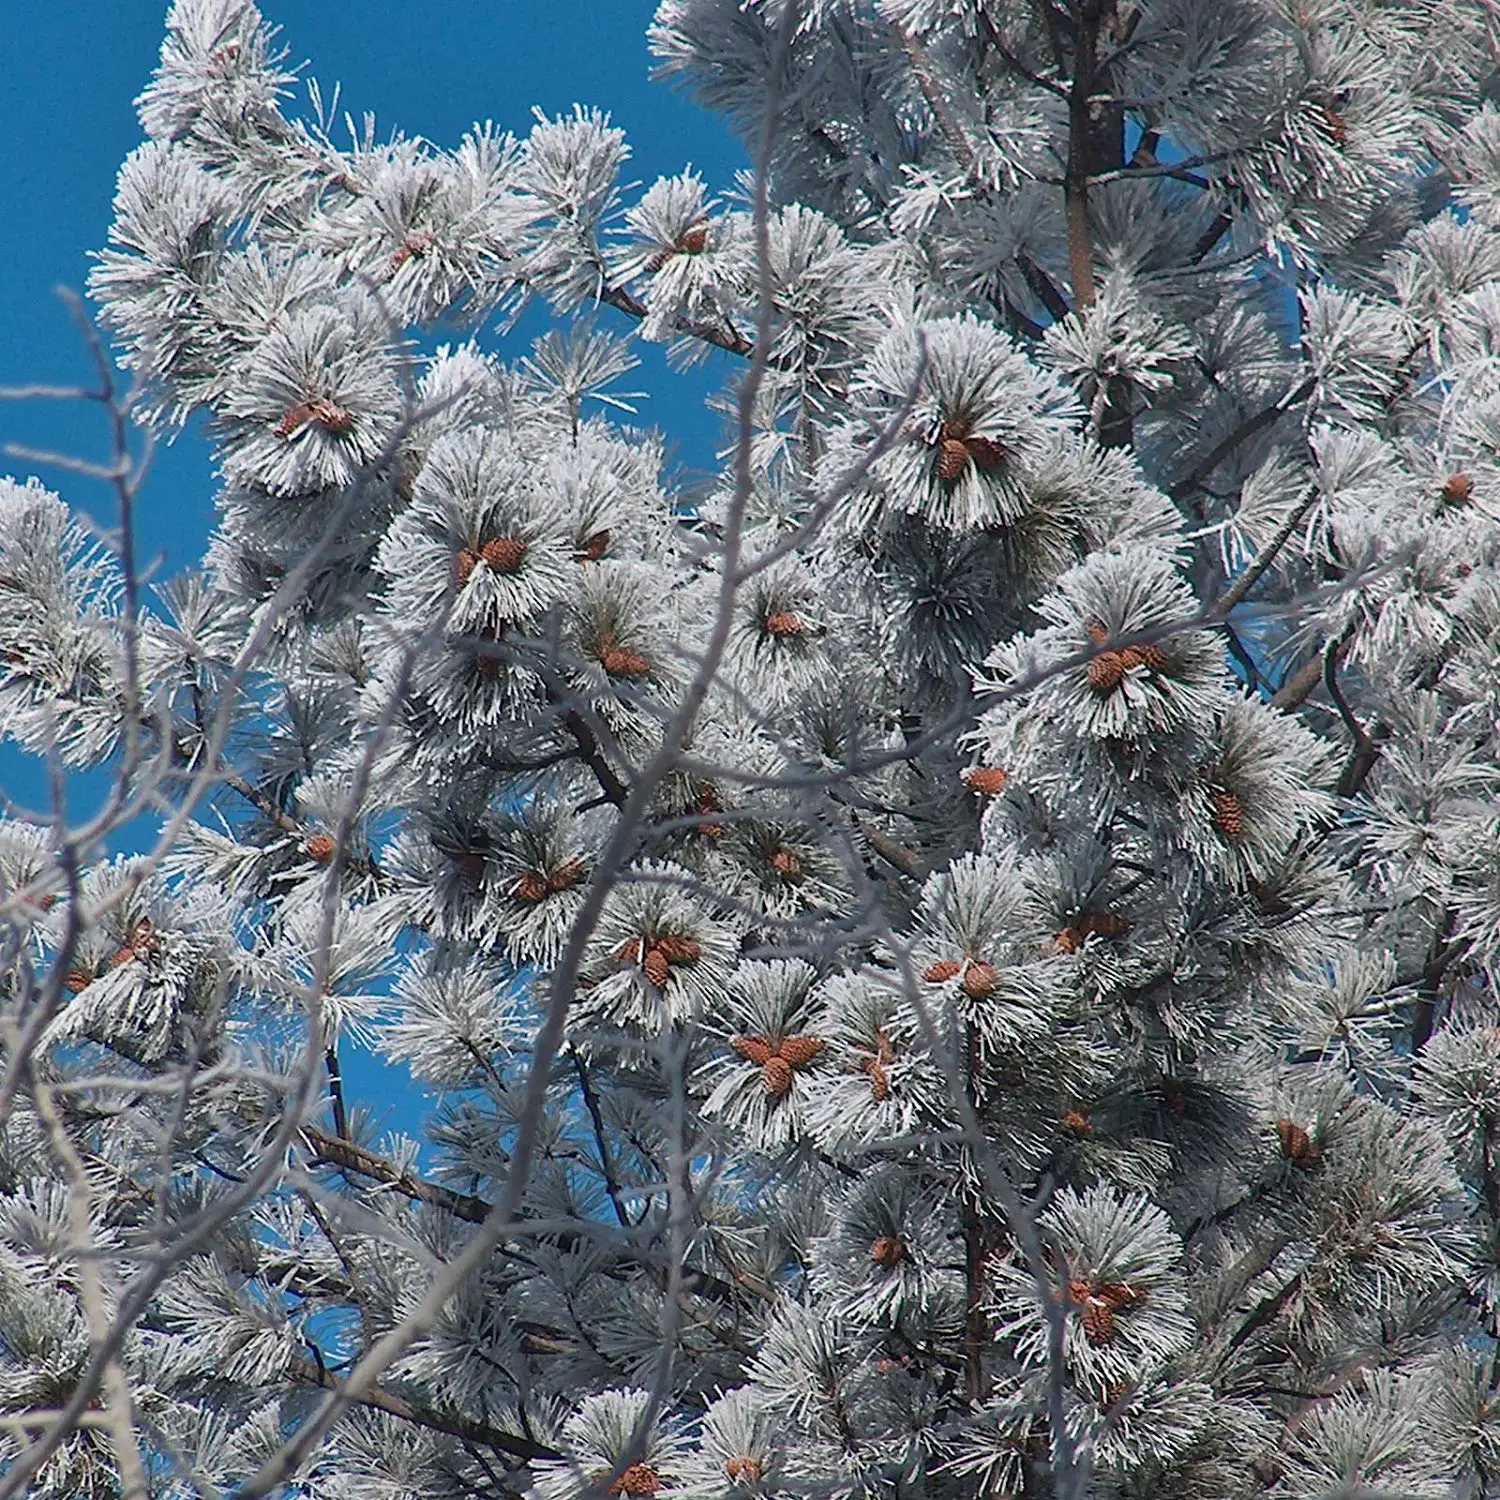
x=428, y=67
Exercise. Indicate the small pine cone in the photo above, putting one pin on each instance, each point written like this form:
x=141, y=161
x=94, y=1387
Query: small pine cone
x=319, y=847
x=1105, y=923
x=979, y=981
x=463, y=566
x=530, y=887
x=987, y=781
x=1296, y=1144
x=1097, y=631
x=629, y=952
x=1458, y=489
x=799, y=1050
x=656, y=967
x=708, y=802
x=680, y=950
x=787, y=866
x=1229, y=816
x=1098, y=1322
x=776, y=1074
x=1068, y=939
x=953, y=458
x=327, y=413
x=77, y=979
x=1150, y=656
x=565, y=876
x=745, y=1470
x=1118, y=1296
x=413, y=247
x=987, y=454
x=1077, y=1124
x=880, y=1079
x=504, y=554
x=754, y=1049
x=1338, y=130
x=693, y=240
x=942, y=971
x=619, y=662
x=887, y=1252
x=1106, y=671
x=784, y=623
x=638, y=1479
x=592, y=548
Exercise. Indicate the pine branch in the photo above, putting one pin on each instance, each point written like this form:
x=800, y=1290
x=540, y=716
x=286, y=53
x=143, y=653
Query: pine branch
x=305, y=1372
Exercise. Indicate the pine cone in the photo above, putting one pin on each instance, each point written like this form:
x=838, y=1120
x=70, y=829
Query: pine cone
x=1333, y=121
x=708, y=802
x=1229, y=816
x=693, y=240
x=505, y=553
x=1077, y=1124
x=942, y=971
x=566, y=876
x=1067, y=939
x=787, y=866
x=142, y=942
x=415, y=245
x=530, y=887
x=1106, y=671
x=783, y=623
x=658, y=970
x=953, y=458
x=77, y=979
x=887, y=1252
x=1296, y=1144
x=1150, y=656
x=1105, y=923
x=680, y=950
x=776, y=1074
x=619, y=662
x=463, y=566
x=876, y=1068
x=1458, y=489
x=987, y=781
x=629, y=952
x=638, y=1479
x=592, y=548
x=1097, y=631
x=987, y=453
x=326, y=412
x=745, y=1470
x=754, y=1049
x=800, y=1049
x=979, y=981
x=319, y=847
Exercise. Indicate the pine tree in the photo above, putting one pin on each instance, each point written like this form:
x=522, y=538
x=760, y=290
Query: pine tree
x=956, y=960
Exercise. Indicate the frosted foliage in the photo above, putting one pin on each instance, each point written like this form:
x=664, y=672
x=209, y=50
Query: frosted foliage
x=947, y=951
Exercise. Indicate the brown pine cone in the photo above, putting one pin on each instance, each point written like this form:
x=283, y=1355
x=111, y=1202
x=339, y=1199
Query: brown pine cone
x=629, y=952
x=319, y=847
x=566, y=876
x=776, y=1074
x=953, y=458
x=745, y=1470
x=783, y=623
x=787, y=866
x=1296, y=1144
x=656, y=967
x=592, y=548
x=504, y=554
x=942, y=971
x=979, y=981
x=530, y=887
x=887, y=1252
x=987, y=781
x=619, y=662
x=1106, y=671
x=754, y=1049
x=1229, y=815
x=638, y=1479
x=1458, y=489
x=680, y=950
x=1068, y=939
x=1077, y=1124
x=693, y=240
x=463, y=566
x=987, y=453
x=799, y=1050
